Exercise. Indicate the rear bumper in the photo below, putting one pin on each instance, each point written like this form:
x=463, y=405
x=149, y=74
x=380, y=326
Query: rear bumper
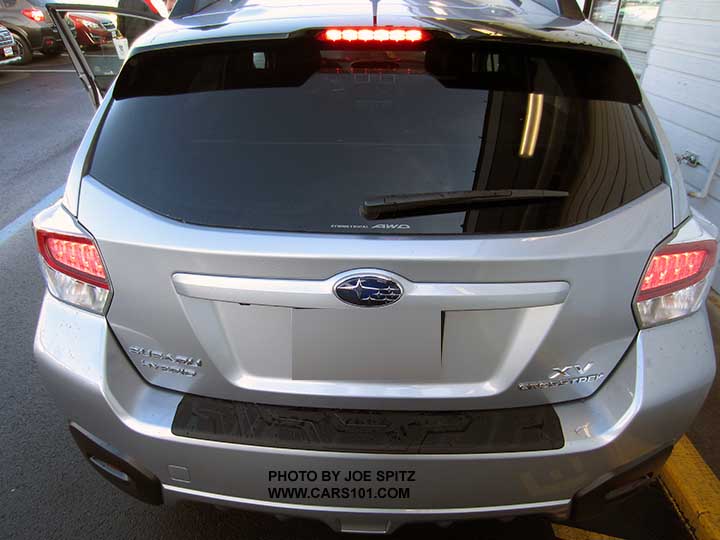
x=643, y=408
x=50, y=40
x=43, y=36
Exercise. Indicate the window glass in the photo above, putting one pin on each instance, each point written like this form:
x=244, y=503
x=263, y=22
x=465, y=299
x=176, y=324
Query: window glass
x=296, y=137
x=632, y=23
x=104, y=40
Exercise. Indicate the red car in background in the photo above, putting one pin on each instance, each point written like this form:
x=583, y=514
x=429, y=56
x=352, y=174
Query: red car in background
x=93, y=29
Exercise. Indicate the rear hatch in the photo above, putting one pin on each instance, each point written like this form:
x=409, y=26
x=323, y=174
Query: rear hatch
x=226, y=193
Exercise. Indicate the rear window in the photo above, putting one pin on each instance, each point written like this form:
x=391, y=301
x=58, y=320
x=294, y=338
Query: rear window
x=296, y=135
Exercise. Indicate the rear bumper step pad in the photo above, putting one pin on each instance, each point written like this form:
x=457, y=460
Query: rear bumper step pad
x=369, y=431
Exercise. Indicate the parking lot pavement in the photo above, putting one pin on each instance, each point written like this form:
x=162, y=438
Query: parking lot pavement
x=43, y=115
x=46, y=488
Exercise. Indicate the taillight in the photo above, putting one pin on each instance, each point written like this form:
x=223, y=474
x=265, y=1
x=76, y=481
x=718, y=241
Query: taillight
x=71, y=262
x=374, y=34
x=74, y=256
x=675, y=283
x=34, y=14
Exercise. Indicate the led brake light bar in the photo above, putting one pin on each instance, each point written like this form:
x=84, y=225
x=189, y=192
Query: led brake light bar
x=374, y=34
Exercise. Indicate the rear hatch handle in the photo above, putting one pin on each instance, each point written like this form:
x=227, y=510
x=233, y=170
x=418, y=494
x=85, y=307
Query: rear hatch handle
x=319, y=294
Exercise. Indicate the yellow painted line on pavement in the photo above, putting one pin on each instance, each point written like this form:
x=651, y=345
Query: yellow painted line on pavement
x=694, y=488
x=563, y=532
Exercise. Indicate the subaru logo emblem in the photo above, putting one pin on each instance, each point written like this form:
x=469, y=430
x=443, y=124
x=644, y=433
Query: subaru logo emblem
x=368, y=291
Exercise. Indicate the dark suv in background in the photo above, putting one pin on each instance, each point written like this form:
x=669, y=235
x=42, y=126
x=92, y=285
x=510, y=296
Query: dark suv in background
x=32, y=28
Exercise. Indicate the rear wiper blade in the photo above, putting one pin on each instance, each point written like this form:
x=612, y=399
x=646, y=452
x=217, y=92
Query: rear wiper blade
x=445, y=202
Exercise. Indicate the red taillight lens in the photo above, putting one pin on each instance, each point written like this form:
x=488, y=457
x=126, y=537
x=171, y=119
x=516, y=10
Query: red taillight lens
x=74, y=256
x=34, y=14
x=677, y=266
x=374, y=34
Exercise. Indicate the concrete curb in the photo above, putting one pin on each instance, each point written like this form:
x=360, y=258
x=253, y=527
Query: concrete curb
x=695, y=490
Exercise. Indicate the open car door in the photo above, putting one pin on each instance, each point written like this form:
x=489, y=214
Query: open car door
x=98, y=37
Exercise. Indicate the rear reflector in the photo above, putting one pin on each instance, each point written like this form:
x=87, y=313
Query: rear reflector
x=74, y=256
x=675, y=282
x=374, y=34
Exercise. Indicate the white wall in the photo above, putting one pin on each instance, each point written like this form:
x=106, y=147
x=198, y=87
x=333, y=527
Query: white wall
x=682, y=80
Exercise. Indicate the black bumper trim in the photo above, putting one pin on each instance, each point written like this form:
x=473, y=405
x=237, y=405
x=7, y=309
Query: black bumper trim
x=588, y=505
x=368, y=431
x=118, y=469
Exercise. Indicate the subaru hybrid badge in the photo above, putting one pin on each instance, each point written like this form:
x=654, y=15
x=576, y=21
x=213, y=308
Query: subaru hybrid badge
x=368, y=291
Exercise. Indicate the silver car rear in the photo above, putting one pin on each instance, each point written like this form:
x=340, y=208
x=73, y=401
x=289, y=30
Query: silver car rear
x=492, y=298
x=227, y=249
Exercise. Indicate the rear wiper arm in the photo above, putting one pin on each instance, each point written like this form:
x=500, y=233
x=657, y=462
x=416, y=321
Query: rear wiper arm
x=445, y=202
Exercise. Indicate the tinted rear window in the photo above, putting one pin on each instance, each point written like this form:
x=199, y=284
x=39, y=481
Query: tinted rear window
x=295, y=136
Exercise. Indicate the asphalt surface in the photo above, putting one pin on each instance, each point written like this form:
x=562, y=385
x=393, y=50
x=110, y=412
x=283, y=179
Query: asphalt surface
x=47, y=490
x=43, y=117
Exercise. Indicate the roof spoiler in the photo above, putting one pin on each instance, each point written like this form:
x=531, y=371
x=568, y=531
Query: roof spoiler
x=568, y=9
